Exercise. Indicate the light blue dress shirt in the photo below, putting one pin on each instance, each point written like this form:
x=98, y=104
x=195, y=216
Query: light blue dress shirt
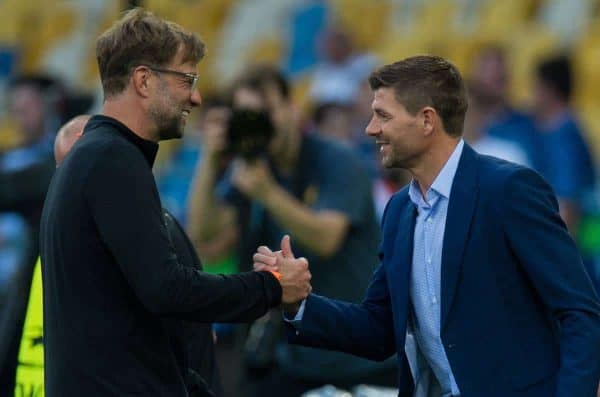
x=426, y=273
x=425, y=281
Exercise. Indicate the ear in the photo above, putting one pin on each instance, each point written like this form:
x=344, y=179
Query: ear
x=141, y=80
x=429, y=120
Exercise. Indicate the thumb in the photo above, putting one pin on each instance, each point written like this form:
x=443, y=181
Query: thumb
x=286, y=247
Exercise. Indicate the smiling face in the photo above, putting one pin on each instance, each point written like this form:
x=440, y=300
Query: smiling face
x=173, y=99
x=401, y=137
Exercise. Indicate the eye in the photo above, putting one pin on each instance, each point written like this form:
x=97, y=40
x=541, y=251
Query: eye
x=382, y=115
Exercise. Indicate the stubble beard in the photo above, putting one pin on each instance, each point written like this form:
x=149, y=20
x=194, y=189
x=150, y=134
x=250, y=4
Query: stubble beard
x=168, y=121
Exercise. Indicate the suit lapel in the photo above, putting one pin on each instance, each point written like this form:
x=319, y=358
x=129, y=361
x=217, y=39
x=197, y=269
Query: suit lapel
x=463, y=199
x=401, y=260
x=403, y=247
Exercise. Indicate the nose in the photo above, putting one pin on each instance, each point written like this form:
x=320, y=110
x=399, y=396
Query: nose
x=196, y=98
x=373, y=128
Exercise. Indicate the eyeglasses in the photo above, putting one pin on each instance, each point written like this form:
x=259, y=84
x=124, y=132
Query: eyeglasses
x=191, y=79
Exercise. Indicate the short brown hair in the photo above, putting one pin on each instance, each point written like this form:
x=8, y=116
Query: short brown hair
x=426, y=81
x=141, y=38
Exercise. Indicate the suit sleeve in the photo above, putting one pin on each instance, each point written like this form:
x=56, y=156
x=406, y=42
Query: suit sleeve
x=540, y=241
x=125, y=207
x=364, y=329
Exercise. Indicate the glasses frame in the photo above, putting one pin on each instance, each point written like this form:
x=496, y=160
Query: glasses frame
x=190, y=78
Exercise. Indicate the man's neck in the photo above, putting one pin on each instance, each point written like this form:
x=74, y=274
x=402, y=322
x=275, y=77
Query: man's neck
x=432, y=162
x=131, y=115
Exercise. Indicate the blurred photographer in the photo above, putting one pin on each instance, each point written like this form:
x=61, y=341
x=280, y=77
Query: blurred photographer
x=282, y=181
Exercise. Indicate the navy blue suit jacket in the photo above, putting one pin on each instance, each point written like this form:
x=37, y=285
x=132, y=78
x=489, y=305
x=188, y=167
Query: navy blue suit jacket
x=519, y=314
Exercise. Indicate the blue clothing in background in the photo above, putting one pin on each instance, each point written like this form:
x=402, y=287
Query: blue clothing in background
x=174, y=180
x=567, y=162
x=14, y=246
x=520, y=129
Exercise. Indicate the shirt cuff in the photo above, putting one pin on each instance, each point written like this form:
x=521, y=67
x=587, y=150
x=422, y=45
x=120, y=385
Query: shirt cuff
x=298, y=317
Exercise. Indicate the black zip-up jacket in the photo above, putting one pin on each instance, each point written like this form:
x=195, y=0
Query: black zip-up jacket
x=111, y=275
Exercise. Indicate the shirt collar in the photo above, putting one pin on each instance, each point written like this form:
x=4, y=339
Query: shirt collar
x=442, y=185
x=148, y=148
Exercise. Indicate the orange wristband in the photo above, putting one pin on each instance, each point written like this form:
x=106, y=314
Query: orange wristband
x=276, y=274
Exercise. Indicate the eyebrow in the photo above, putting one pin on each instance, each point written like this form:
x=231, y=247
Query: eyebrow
x=381, y=112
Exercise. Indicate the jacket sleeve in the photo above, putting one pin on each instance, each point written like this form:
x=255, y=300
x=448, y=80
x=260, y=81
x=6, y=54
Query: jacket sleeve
x=125, y=207
x=364, y=329
x=549, y=256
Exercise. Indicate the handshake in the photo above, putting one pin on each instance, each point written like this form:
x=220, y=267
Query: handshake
x=295, y=276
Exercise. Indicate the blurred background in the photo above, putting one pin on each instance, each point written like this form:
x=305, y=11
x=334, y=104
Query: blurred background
x=531, y=67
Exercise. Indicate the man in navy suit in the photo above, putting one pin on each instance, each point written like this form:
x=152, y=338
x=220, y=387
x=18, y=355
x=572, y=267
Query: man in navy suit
x=480, y=290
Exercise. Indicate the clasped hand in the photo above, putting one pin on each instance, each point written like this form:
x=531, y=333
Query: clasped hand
x=295, y=276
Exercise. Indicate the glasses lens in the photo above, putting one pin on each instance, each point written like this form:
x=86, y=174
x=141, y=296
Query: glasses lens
x=194, y=83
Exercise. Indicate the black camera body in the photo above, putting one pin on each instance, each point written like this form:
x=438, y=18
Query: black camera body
x=249, y=133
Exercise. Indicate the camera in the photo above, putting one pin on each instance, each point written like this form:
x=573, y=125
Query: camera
x=249, y=133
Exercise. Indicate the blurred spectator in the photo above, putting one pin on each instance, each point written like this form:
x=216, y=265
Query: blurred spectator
x=314, y=189
x=566, y=160
x=173, y=178
x=14, y=246
x=25, y=173
x=494, y=126
x=29, y=105
x=334, y=120
x=476, y=121
x=26, y=170
x=175, y=182
x=338, y=76
x=30, y=370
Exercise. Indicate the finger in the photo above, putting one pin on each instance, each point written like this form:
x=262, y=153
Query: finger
x=303, y=260
x=286, y=247
x=259, y=267
x=266, y=259
x=263, y=249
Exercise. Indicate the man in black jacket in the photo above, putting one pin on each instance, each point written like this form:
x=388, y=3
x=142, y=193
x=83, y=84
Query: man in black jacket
x=107, y=290
x=192, y=343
